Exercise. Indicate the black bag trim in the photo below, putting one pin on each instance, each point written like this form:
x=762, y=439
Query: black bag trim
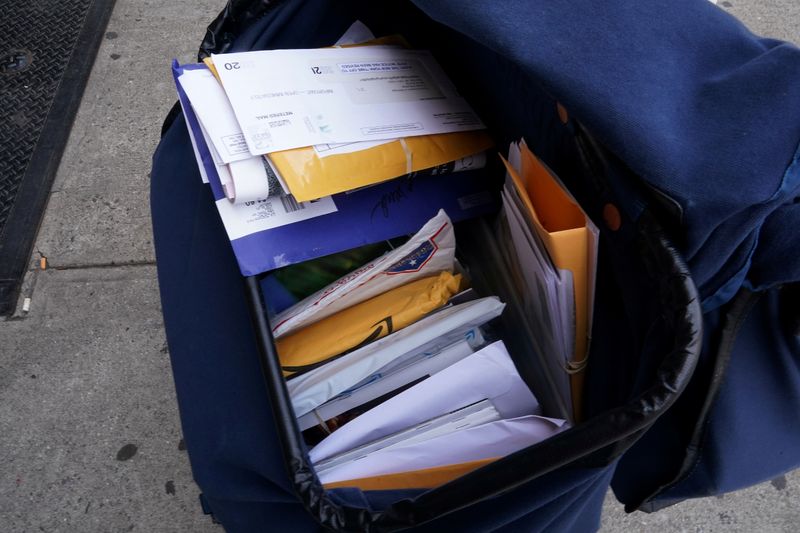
x=737, y=313
x=229, y=24
x=173, y=113
x=790, y=307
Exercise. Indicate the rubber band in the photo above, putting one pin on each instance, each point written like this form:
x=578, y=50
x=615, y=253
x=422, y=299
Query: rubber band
x=574, y=367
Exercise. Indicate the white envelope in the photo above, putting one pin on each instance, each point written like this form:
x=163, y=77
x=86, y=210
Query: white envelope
x=200, y=166
x=387, y=380
x=433, y=333
x=487, y=441
x=215, y=114
x=485, y=375
x=473, y=415
x=223, y=172
x=263, y=214
x=286, y=99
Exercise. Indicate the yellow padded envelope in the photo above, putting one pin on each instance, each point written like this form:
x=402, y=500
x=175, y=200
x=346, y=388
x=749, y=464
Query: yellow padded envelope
x=571, y=241
x=363, y=323
x=309, y=176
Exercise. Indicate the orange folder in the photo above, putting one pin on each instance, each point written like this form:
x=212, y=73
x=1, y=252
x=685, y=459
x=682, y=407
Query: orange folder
x=570, y=238
x=426, y=478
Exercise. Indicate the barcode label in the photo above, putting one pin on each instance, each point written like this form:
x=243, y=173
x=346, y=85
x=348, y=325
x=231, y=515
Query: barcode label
x=290, y=205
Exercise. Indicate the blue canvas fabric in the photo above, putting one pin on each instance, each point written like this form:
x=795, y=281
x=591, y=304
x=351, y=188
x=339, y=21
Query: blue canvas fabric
x=752, y=433
x=225, y=413
x=701, y=109
x=704, y=111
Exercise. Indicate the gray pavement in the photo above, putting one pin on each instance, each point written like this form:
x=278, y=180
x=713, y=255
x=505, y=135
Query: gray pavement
x=89, y=431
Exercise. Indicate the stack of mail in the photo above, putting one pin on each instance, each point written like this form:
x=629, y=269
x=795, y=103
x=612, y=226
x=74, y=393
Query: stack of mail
x=410, y=332
x=311, y=144
x=395, y=371
x=417, y=402
x=472, y=412
x=552, y=250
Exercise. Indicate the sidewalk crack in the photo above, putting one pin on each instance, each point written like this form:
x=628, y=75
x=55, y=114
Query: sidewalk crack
x=112, y=264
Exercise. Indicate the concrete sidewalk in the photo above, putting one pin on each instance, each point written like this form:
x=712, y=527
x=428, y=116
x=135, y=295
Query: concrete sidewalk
x=89, y=429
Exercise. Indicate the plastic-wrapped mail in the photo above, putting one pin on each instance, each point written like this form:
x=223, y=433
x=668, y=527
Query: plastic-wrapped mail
x=431, y=250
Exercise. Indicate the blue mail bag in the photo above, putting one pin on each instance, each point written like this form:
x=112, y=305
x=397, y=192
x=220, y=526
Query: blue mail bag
x=677, y=131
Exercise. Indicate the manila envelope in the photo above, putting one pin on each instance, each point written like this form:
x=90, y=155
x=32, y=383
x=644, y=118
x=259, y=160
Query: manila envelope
x=571, y=241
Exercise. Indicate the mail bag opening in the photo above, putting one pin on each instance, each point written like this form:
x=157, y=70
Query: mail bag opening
x=647, y=325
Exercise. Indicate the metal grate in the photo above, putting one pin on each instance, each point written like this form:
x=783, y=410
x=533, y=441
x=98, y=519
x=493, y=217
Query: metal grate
x=37, y=38
x=47, y=48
